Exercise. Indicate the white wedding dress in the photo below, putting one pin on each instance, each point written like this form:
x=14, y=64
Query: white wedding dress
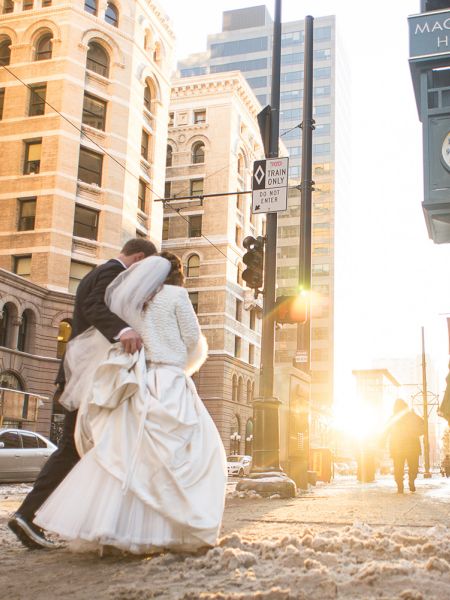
x=153, y=470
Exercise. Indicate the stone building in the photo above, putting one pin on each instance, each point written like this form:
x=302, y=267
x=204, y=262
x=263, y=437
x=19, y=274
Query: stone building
x=84, y=96
x=213, y=140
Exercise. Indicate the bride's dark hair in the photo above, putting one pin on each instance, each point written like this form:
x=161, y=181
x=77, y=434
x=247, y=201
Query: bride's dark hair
x=175, y=276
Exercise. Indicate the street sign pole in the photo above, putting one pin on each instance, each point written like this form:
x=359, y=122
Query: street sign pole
x=266, y=441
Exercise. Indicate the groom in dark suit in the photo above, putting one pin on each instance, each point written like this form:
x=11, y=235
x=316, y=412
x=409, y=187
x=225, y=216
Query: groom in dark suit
x=89, y=310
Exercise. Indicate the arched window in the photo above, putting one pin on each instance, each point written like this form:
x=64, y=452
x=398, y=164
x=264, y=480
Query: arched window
x=64, y=333
x=5, y=52
x=169, y=156
x=249, y=391
x=44, y=47
x=5, y=323
x=112, y=14
x=240, y=389
x=97, y=59
x=8, y=6
x=23, y=330
x=11, y=381
x=90, y=6
x=193, y=266
x=249, y=437
x=198, y=153
x=234, y=389
x=235, y=435
x=157, y=53
x=148, y=97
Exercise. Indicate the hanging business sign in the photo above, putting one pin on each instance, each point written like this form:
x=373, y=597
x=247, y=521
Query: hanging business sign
x=429, y=34
x=269, y=185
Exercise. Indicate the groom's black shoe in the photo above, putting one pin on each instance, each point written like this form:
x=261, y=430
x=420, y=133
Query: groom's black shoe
x=28, y=533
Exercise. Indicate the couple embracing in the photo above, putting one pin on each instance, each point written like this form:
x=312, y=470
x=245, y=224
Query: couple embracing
x=152, y=473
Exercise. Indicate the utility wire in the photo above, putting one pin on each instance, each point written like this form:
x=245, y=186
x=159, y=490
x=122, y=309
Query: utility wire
x=158, y=197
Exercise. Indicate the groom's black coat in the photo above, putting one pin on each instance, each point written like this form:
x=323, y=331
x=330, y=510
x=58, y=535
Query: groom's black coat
x=90, y=309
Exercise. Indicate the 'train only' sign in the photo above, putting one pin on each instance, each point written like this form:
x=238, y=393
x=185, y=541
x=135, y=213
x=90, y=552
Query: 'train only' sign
x=269, y=185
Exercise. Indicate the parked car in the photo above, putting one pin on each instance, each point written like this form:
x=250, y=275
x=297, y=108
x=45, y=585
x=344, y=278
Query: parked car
x=341, y=468
x=22, y=454
x=239, y=464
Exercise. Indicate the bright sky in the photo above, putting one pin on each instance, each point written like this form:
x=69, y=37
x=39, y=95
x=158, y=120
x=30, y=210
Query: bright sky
x=400, y=278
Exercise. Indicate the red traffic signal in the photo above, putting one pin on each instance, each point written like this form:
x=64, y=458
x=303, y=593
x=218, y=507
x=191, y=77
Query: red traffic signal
x=292, y=309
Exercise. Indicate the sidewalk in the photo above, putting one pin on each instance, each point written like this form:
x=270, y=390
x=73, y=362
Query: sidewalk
x=342, y=540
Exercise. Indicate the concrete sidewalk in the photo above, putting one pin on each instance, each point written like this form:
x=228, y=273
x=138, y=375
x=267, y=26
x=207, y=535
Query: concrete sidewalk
x=341, y=540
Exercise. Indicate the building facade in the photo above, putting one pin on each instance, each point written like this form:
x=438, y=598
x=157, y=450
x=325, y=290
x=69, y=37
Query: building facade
x=213, y=140
x=245, y=43
x=84, y=97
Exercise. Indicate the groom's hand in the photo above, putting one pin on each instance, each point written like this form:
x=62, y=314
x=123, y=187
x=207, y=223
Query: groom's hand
x=131, y=341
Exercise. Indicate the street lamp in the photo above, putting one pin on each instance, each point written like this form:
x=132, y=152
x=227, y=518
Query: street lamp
x=235, y=440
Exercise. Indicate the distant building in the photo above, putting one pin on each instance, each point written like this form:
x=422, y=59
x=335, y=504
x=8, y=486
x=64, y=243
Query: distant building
x=84, y=97
x=245, y=43
x=212, y=143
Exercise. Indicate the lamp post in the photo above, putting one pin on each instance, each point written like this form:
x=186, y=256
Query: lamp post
x=235, y=441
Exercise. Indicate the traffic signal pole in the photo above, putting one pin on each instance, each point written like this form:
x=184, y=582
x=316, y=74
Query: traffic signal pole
x=426, y=439
x=267, y=476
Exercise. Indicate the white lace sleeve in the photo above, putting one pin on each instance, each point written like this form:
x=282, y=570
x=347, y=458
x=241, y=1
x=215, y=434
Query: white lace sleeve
x=197, y=348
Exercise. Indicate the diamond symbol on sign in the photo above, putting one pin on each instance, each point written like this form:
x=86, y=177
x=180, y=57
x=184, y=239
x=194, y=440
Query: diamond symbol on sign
x=259, y=174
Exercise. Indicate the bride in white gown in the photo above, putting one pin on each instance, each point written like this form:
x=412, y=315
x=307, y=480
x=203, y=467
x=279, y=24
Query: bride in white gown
x=153, y=467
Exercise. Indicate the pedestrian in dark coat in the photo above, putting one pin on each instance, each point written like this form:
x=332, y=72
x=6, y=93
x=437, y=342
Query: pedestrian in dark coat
x=404, y=429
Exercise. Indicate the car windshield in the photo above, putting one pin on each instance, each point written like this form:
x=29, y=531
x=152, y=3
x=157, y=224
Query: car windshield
x=234, y=459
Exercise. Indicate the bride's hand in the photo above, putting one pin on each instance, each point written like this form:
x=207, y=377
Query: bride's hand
x=131, y=341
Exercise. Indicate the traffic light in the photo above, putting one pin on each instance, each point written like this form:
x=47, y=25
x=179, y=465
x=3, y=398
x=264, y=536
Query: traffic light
x=254, y=259
x=292, y=309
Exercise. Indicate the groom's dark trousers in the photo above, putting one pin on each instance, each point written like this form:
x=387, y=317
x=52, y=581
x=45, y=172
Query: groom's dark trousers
x=90, y=309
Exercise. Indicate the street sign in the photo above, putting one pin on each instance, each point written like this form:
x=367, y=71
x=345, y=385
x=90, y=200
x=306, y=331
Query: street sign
x=269, y=185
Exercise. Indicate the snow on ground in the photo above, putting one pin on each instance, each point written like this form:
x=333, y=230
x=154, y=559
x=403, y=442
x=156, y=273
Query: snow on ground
x=267, y=552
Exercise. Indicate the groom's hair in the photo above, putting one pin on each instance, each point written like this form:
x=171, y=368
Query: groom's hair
x=136, y=245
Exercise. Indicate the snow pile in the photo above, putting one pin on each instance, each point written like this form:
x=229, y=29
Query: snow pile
x=354, y=562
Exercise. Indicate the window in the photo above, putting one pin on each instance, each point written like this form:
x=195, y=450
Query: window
x=142, y=194
x=167, y=189
x=85, y=222
x=64, y=333
x=44, y=47
x=165, y=229
x=196, y=187
x=22, y=265
x=198, y=153
x=251, y=360
x=28, y=440
x=5, y=323
x=193, y=266
x=94, y=112
x=237, y=353
x=5, y=52
x=11, y=381
x=10, y=439
x=171, y=119
x=193, y=297
x=238, y=314
x=27, y=4
x=90, y=6
x=2, y=102
x=169, y=155
x=112, y=14
x=257, y=82
x=238, y=236
x=291, y=76
x=77, y=271
x=147, y=98
x=199, y=116
x=253, y=319
x=195, y=226
x=37, y=100
x=239, y=47
x=97, y=59
x=8, y=6
x=144, y=144
x=242, y=65
x=27, y=214
x=46, y=3
x=23, y=337
x=90, y=167
x=32, y=161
